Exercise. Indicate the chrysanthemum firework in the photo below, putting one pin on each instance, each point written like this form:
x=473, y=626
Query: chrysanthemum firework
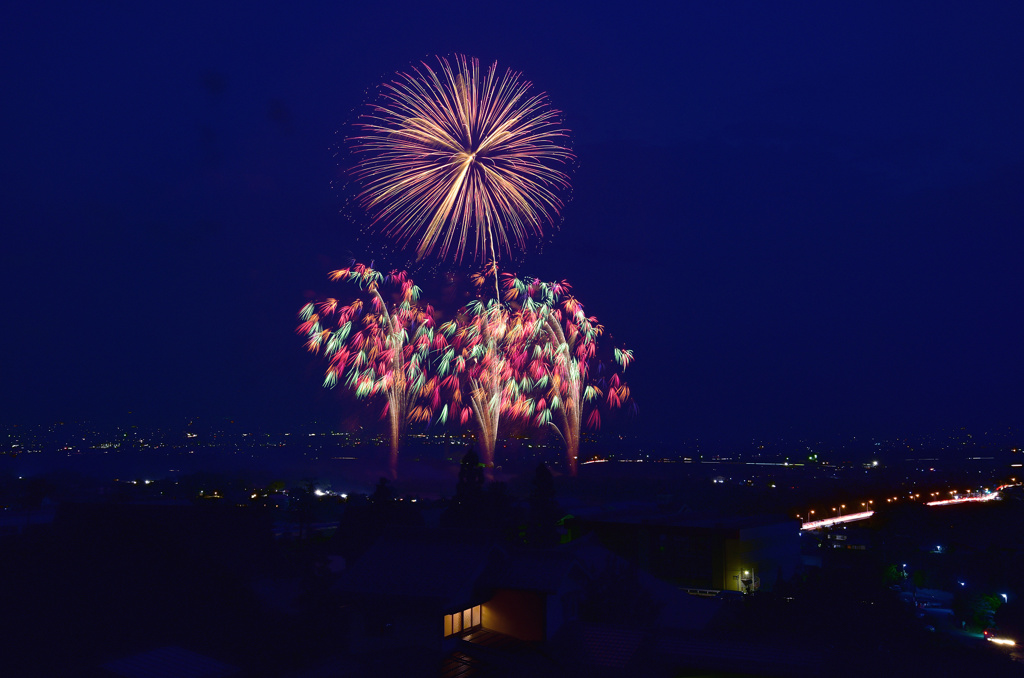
x=456, y=159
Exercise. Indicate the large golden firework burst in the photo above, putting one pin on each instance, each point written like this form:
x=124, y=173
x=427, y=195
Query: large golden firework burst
x=453, y=158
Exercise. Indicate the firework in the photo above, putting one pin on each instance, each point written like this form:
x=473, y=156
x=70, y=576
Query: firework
x=563, y=377
x=476, y=371
x=483, y=358
x=454, y=158
x=378, y=348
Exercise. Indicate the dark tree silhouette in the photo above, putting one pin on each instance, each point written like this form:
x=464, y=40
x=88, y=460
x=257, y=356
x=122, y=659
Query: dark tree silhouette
x=363, y=522
x=542, y=522
x=382, y=493
x=1009, y=619
x=471, y=479
x=300, y=506
x=475, y=507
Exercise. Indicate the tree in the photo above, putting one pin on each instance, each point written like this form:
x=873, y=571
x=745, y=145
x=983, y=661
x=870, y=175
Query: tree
x=467, y=509
x=975, y=608
x=1009, y=619
x=542, y=523
x=470, y=486
x=300, y=506
x=382, y=493
x=366, y=518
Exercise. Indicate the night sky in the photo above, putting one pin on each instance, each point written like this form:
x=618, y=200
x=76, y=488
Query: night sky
x=804, y=218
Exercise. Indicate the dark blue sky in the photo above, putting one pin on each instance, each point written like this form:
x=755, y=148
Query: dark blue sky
x=804, y=219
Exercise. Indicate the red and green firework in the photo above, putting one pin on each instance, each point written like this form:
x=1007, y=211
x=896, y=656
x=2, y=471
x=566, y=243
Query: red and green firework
x=378, y=347
x=480, y=367
x=563, y=377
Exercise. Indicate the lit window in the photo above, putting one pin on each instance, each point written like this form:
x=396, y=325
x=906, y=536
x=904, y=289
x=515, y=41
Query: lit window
x=462, y=621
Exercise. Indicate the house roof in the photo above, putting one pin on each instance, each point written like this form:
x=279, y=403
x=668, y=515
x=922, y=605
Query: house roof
x=169, y=662
x=637, y=516
x=440, y=566
x=678, y=609
x=542, y=570
x=609, y=646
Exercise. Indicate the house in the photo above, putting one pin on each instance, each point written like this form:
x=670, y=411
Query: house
x=424, y=588
x=416, y=587
x=535, y=594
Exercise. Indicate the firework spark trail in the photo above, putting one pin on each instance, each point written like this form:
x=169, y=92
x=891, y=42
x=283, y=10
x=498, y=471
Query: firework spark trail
x=373, y=347
x=452, y=156
x=483, y=357
x=473, y=368
x=564, y=348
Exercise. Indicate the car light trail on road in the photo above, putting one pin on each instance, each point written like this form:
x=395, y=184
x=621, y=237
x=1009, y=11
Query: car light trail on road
x=828, y=522
x=962, y=500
